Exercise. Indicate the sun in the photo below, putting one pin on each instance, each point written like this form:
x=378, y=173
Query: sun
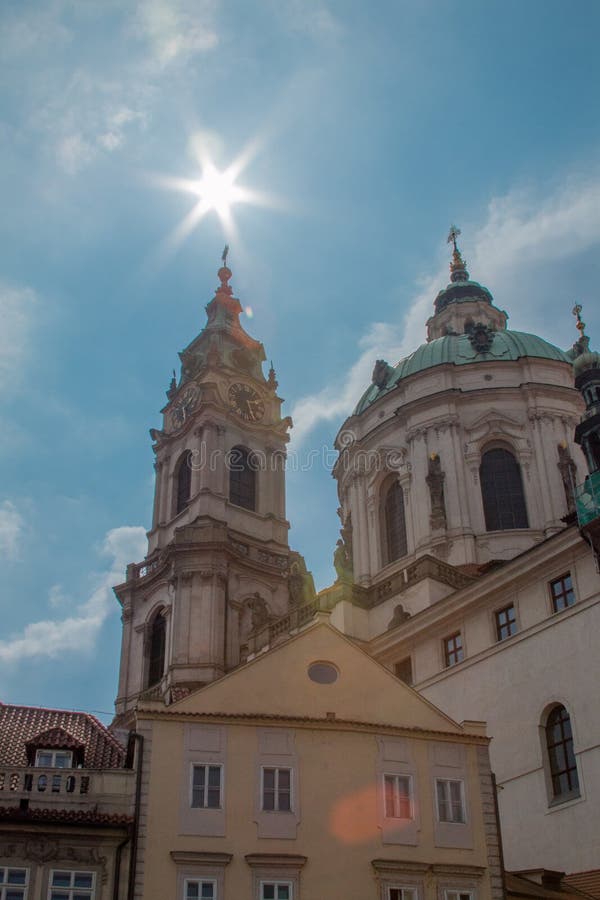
x=218, y=190
x=215, y=191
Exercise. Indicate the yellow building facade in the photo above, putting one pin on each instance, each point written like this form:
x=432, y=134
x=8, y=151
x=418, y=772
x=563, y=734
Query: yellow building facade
x=312, y=772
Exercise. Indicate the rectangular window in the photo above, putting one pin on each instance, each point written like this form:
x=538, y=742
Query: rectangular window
x=561, y=590
x=453, y=649
x=399, y=893
x=13, y=883
x=276, y=890
x=458, y=895
x=206, y=786
x=54, y=759
x=277, y=789
x=450, y=801
x=397, y=796
x=506, y=622
x=66, y=885
x=203, y=889
x=403, y=670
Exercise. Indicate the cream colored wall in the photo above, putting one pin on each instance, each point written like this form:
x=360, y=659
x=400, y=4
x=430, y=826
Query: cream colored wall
x=277, y=683
x=552, y=659
x=529, y=405
x=338, y=829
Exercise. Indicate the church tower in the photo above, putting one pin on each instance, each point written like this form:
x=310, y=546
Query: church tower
x=218, y=555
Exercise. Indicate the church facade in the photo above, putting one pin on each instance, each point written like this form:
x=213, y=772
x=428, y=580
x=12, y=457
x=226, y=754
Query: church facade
x=461, y=570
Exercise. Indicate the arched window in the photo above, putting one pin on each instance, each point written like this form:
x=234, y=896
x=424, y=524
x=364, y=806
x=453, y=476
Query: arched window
x=395, y=523
x=242, y=477
x=561, y=758
x=183, y=482
x=502, y=491
x=156, y=649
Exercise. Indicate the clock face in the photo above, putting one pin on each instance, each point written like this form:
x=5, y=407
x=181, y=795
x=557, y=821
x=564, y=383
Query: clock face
x=244, y=401
x=183, y=407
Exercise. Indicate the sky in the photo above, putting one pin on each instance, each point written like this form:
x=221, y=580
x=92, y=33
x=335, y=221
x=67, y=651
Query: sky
x=359, y=132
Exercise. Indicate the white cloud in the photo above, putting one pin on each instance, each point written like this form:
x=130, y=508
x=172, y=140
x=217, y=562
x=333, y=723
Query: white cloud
x=12, y=526
x=177, y=29
x=74, y=153
x=17, y=307
x=519, y=232
x=309, y=17
x=33, y=31
x=78, y=632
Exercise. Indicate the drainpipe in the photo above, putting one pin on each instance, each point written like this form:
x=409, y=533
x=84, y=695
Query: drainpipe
x=117, y=875
x=135, y=737
x=499, y=830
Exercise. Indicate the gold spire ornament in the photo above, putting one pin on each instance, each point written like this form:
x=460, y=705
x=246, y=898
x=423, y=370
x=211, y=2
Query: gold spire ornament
x=582, y=344
x=458, y=266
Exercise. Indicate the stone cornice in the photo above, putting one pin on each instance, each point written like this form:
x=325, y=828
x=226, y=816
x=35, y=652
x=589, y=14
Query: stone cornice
x=313, y=723
x=536, y=561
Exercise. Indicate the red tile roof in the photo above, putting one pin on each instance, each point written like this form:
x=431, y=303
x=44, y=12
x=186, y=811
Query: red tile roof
x=585, y=881
x=22, y=725
x=60, y=816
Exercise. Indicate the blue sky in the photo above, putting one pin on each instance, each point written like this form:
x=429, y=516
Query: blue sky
x=371, y=127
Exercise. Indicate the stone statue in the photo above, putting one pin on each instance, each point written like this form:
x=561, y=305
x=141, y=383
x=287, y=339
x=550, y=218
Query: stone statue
x=435, y=482
x=382, y=372
x=260, y=612
x=342, y=562
x=400, y=615
x=568, y=473
x=301, y=585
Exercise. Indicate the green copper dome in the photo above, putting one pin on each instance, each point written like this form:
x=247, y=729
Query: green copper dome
x=461, y=292
x=460, y=350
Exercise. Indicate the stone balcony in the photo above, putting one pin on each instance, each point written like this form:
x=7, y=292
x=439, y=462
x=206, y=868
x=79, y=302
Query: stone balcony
x=587, y=504
x=108, y=792
x=587, y=499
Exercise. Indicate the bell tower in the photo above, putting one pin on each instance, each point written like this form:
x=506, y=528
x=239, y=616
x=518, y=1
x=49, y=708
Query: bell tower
x=218, y=554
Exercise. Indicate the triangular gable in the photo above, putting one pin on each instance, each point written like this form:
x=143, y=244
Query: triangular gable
x=55, y=739
x=277, y=684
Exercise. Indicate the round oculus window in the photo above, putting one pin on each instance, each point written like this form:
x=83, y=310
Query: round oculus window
x=322, y=672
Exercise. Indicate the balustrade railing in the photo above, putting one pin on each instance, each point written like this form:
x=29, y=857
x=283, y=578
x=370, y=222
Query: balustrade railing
x=64, y=787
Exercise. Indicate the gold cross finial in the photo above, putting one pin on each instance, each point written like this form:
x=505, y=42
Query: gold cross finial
x=452, y=235
x=580, y=326
x=225, y=254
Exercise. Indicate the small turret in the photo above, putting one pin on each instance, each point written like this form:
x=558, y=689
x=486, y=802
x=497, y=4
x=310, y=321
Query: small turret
x=587, y=434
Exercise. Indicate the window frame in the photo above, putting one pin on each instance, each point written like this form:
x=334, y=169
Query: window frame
x=6, y=886
x=53, y=753
x=200, y=880
x=448, y=800
x=248, y=461
x=180, y=504
x=449, y=652
x=396, y=798
x=156, y=660
x=511, y=624
x=495, y=482
x=458, y=894
x=276, y=791
x=393, y=553
x=402, y=888
x=404, y=667
x=207, y=766
x=72, y=888
x=277, y=883
x=569, y=592
x=567, y=744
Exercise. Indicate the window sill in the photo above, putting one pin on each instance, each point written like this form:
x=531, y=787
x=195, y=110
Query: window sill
x=565, y=801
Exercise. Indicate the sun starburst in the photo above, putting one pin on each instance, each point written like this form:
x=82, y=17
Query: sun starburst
x=215, y=191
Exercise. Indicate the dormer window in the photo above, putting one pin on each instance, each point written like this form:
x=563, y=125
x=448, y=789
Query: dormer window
x=54, y=759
